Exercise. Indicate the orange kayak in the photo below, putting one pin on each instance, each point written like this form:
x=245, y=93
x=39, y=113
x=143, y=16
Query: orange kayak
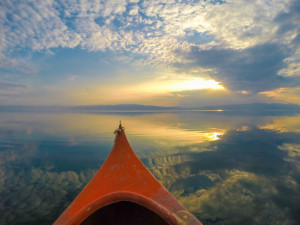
x=124, y=192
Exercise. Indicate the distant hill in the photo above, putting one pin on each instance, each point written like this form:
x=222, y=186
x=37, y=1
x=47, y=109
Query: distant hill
x=33, y=108
x=87, y=108
x=233, y=107
x=254, y=107
x=123, y=107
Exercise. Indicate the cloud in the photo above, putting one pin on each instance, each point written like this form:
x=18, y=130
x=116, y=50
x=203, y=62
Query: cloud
x=11, y=152
x=283, y=94
x=235, y=200
x=284, y=124
x=293, y=67
x=134, y=11
x=289, y=28
x=36, y=26
x=292, y=149
x=31, y=25
x=16, y=66
x=288, y=20
x=242, y=24
x=10, y=85
x=36, y=186
x=252, y=69
x=21, y=94
x=247, y=170
x=10, y=90
x=96, y=26
x=236, y=24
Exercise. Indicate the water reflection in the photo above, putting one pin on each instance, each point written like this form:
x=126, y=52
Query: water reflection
x=283, y=124
x=248, y=179
x=225, y=169
x=293, y=150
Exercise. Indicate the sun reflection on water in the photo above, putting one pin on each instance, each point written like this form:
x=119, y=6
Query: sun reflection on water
x=163, y=128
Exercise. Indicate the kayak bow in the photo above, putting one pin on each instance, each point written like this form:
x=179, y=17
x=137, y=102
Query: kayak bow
x=123, y=192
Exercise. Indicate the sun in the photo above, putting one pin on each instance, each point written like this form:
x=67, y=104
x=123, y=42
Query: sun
x=214, y=136
x=195, y=84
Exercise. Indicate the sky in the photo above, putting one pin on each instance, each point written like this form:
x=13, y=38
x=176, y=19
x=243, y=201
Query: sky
x=158, y=52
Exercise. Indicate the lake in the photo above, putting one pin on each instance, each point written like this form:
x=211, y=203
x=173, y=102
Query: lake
x=225, y=167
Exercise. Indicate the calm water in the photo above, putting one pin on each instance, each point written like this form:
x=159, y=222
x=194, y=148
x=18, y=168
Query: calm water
x=225, y=168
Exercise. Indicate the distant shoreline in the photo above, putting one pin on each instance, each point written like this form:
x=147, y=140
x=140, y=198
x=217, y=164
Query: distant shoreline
x=255, y=109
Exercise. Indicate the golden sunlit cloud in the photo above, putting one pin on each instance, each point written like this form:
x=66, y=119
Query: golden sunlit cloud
x=161, y=89
x=284, y=95
x=175, y=83
x=243, y=92
x=243, y=128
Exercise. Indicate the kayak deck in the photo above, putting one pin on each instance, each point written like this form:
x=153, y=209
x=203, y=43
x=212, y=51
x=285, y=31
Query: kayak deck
x=124, y=191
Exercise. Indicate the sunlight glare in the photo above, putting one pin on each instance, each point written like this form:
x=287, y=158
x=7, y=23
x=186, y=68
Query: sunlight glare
x=196, y=84
x=214, y=136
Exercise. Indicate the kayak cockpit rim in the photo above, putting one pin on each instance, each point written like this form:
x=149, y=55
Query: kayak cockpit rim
x=124, y=213
x=116, y=197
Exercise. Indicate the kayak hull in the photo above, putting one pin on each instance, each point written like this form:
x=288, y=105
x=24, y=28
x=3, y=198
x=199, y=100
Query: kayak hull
x=125, y=180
